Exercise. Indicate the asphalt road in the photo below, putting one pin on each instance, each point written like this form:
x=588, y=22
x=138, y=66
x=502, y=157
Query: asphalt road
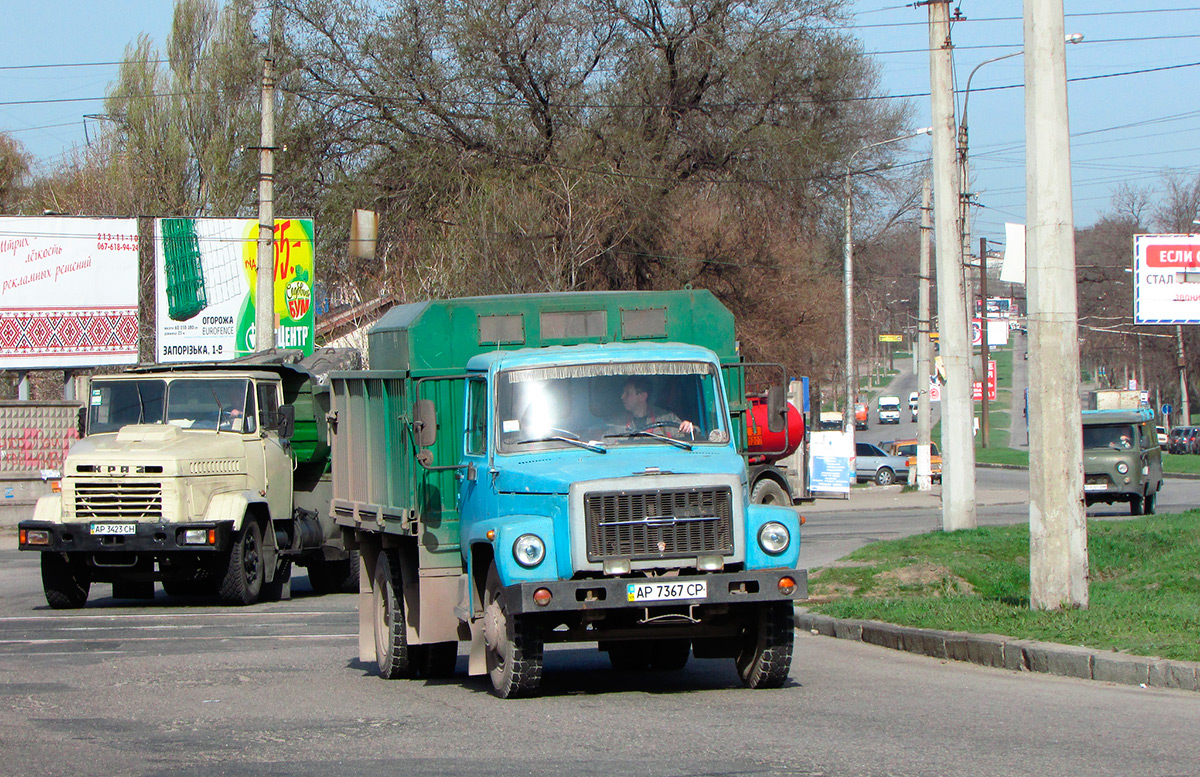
x=186, y=689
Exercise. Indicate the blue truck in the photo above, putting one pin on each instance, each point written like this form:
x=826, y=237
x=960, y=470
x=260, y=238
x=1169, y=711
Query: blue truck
x=523, y=470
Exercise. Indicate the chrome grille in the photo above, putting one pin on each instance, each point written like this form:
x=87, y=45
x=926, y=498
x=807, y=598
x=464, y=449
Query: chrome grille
x=118, y=499
x=659, y=524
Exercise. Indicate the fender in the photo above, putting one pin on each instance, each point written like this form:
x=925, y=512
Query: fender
x=232, y=507
x=49, y=509
x=756, y=516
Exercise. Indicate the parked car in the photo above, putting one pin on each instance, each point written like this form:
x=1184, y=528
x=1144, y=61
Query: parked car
x=872, y=463
x=1121, y=459
x=889, y=410
x=908, y=449
x=1161, y=433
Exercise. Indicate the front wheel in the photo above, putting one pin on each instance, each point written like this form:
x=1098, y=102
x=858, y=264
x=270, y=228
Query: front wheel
x=65, y=581
x=244, y=575
x=768, y=492
x=1135, y=504
x=513, y=645
x=765, y=657
x=1149, y=503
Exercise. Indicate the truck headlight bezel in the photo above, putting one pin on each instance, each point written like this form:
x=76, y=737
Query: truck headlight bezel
x=529, y=550
x=774, y=538
x=1122, y=467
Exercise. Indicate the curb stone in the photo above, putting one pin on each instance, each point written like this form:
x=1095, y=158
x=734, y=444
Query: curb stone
x=1018, y=655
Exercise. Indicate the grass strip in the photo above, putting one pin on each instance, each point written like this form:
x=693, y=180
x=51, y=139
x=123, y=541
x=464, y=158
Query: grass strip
x=1144, y=590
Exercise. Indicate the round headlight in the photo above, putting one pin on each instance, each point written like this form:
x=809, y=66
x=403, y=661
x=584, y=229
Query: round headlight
x=773, y=537
x=529, y=550
x=1122, y=467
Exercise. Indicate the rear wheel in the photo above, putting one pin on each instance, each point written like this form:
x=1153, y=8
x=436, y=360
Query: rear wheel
x=768, y=492
x=766, y=654
x=65, y=581
x=339, y=576
x=884, y=476
x=438, y=659
x=393, y=655
x=243, y=579
x=670, y=655
x=513, y=645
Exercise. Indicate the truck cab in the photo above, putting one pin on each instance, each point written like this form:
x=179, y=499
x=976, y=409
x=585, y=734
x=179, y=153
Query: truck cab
x=192, y=476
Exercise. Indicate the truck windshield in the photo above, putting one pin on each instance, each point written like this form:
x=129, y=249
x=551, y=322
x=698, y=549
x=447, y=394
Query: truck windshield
x=609, y=404
x=208, y=404
x=116, y=403
x=1115, y=436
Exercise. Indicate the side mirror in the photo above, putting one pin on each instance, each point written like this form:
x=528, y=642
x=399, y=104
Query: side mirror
x=425, y=422
x=285, y=421
x=776, y=410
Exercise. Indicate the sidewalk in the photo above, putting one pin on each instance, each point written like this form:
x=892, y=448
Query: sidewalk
x=867, y=498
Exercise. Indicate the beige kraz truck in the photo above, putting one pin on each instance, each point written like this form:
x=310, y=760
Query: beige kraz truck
x=213, y=479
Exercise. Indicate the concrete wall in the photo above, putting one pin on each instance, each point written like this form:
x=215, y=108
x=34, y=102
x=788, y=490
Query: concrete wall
x=34, y=440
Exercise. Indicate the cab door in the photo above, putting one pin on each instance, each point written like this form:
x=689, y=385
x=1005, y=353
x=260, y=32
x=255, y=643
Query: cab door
x=278, y=460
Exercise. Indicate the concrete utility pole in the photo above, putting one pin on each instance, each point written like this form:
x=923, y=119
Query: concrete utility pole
x=264, y=297
x=1058, y=557
x=958, y=444
x=1185, y=414
x=983, y=349
x=924, y=349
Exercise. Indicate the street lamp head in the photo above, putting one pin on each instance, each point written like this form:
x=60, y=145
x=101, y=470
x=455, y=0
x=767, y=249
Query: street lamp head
x=1075, y=37
x=924, y=131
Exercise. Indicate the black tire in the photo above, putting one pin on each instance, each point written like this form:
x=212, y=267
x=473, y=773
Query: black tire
x=766, y=655
x=273, y=591
x=243, y=579
x=670, y=655
x=334, y=577
x=768, y=492
x=65, y=581
x=513, y=645
x=629, y=656
x=884, y=476
x=438, y=660
x=1149, y=504
x=1135, y=504
x=393, y=656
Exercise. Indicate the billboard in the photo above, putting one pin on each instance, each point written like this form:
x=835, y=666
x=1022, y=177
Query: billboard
x=206, y=273
x=68, y=292
x=1166, y=279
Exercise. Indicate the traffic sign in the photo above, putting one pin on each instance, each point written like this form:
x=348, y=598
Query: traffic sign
x=1166, y=409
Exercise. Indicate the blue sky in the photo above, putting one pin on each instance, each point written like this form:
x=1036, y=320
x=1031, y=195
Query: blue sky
x=1128, y=128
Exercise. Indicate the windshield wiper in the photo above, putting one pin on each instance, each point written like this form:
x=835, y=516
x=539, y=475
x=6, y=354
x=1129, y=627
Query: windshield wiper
x=643, y=433
x=587, y=446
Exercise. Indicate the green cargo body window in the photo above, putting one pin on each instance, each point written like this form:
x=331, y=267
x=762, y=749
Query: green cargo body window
x=644, y=324
x=502, y=330
x=574, y=324
x=477, y=417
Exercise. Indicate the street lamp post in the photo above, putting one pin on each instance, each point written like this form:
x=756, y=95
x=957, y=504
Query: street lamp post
x=848, y=274
x=965, y=227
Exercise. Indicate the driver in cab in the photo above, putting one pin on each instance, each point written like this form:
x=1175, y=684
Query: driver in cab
x=640, y=415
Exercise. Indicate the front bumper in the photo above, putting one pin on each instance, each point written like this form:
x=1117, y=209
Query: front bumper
x=147, y=538
x=725, y=588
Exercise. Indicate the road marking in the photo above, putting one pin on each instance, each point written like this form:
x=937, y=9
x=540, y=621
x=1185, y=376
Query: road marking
x=173, y=639
x=222, y=614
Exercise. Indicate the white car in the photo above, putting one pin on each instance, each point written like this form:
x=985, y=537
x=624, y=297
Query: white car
x=889, y=410
x=913, y=403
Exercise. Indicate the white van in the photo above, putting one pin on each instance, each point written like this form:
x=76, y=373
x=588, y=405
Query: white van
x=889, y=410
x=913, y=403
